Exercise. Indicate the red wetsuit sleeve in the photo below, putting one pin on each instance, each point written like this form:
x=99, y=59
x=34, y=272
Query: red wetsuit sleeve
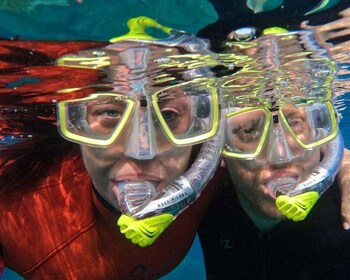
x=2, y=265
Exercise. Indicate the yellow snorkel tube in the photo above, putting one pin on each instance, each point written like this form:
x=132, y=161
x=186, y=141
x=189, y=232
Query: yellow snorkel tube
x=137, y=29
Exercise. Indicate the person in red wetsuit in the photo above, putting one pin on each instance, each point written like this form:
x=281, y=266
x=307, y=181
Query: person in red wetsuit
x=133, y=125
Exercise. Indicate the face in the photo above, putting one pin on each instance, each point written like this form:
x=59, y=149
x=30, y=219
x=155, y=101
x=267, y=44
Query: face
x=130, y=159
x=250, y=182
x=253, y=177
x=139, y=136
x=108, y=168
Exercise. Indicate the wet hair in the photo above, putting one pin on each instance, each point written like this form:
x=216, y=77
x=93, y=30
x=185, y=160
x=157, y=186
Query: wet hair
x=30, y=86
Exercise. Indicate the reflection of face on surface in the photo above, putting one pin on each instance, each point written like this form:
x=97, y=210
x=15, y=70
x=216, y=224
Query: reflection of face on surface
x=110, y=165
x=250, y=179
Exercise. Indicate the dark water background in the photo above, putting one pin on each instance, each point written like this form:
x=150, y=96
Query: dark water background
x=101, y=20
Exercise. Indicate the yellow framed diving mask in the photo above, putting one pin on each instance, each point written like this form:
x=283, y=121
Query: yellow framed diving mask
x=181, y=115
x=307, y=125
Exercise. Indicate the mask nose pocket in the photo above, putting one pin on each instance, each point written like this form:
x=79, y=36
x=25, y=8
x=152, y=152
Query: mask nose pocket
x=278, y=148
x=140, y=144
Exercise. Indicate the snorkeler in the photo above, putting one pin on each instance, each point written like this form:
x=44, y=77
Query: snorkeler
x=277, y=212
x=132, y=133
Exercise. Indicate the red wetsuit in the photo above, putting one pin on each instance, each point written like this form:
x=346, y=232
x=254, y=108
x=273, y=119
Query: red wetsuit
x=60, y=230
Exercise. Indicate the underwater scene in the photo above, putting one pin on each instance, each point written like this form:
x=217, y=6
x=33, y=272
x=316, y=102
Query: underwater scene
x=81, y=80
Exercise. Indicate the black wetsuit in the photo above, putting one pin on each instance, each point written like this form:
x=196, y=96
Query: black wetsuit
x=316, y=248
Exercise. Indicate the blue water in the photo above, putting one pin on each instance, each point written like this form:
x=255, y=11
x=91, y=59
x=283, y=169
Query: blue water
x=101, y=20
x=192, y=267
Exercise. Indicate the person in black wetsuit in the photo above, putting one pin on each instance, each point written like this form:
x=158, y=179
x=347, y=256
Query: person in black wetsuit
x=235, y=248
x=276, y=140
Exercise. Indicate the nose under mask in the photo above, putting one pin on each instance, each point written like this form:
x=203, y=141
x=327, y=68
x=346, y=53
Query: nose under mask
x=278, y=150
x=140, y=143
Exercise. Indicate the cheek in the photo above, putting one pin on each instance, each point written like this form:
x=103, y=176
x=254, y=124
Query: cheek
x=177, y=162
x=313, y=160
x=94, y=161
x=242, y=177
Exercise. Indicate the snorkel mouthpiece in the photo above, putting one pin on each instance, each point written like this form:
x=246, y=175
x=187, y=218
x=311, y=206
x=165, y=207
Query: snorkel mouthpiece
x=175, y=197
x=295, y=207
x=281, y=186
x=134, y=195
x=296, y=202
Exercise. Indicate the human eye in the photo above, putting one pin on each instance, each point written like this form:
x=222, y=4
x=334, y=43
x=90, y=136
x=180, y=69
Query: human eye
x=175, y=108
x=172, y=110
x=173, y=119
x=295, y=122
x=108, y=113
x=108, y=117
x=105, y=117
x=248, y=131
x=170, y=115
x=296, y=119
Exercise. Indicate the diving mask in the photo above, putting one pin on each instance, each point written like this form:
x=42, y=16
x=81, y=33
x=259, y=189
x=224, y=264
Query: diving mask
x=143, y=125
x=273, y=136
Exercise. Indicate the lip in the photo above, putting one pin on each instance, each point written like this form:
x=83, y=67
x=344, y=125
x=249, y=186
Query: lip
x=135, y=177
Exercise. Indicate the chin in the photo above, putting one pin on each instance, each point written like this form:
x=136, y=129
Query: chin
x=271, y=212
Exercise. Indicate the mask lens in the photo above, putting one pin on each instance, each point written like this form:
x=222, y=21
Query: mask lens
x=246, y=132
x=187, y=114
x=96, y=120
x=311, y=125
x=103, y=116
x=176, y=112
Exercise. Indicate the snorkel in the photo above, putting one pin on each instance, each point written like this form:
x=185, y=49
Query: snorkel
x=295, y=201
x=146, y=213
x=144, y=224
x=290, y=67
